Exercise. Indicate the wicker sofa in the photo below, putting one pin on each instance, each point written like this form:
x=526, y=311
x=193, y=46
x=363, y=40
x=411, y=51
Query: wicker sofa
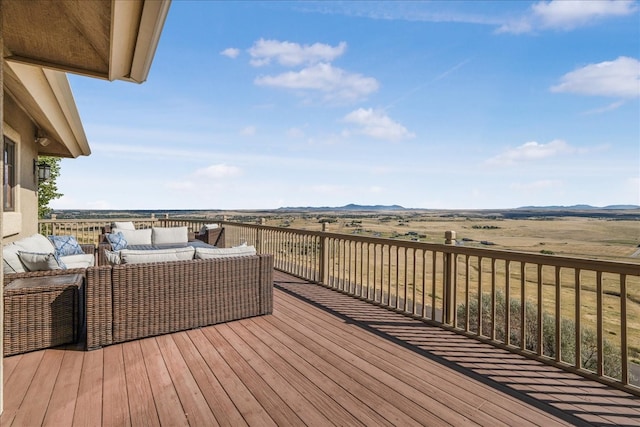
x=131, y=301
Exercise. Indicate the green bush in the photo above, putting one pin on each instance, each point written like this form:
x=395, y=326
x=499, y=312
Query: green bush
x=589, y=342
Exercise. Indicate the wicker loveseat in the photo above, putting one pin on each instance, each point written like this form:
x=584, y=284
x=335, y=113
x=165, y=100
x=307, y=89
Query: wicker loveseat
x=131, y=301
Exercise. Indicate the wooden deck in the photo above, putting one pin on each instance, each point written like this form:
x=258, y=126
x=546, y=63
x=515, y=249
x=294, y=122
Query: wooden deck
x=322, y=358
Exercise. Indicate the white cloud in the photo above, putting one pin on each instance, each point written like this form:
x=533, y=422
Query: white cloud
x=336, y=83
x=248, y=131
x=377, y=124
x=293, y=54
x=231, y=52
x=376, y=189
x=610, y=107
x=567, y=15
x=531, y=151
x=219, y=171
x=618, y=78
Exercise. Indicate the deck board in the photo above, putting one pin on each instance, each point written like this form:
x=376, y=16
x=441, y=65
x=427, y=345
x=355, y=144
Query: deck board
x=464, y=400
x=88, y=409
x=322, y=358
x=196, y=408
x=143, y=409
x=165, y=395
x=116, y=411
x=63, y=397
x=38, y=397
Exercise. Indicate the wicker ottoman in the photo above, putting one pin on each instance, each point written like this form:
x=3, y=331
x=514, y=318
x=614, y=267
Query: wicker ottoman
x=41, y=312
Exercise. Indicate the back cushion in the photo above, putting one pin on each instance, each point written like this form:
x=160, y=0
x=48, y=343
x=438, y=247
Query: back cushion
x=127, y=225
x=164, y=235
x=135, y=237
x=36, y=243
x=130, y=256
x=206, y=253
x=12, y=263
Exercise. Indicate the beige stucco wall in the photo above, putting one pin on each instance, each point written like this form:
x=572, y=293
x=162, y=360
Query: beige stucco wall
x=21, y=130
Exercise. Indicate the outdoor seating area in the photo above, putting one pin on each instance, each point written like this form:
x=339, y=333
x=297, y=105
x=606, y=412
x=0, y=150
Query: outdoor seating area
x=144, y=289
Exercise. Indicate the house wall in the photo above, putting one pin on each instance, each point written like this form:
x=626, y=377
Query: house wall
x=18, y=127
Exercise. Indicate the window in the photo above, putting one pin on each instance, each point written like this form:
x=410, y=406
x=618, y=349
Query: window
x=9, y=174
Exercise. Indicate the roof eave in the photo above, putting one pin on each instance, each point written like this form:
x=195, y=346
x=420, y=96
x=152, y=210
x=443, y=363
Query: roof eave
x=135, y=33
x=50, y=105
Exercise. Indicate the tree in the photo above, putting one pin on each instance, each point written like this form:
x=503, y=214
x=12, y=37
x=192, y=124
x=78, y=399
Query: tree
x=48, y=190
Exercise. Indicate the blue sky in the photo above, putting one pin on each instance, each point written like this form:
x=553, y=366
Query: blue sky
x=455, y=105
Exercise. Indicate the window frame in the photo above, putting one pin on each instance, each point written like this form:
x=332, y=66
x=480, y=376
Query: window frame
x=9, y=174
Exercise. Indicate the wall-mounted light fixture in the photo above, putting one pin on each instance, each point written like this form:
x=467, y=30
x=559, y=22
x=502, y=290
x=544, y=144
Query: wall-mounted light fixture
x=42, y=139
x=42, y=169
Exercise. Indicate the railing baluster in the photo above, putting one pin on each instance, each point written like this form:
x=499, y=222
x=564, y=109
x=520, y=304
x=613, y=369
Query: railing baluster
x=507, y=305
x=599, y=327
x=559, y=317
x=578, y=329
x=480, y=313
x=540, y=315
x=624, y=345
x=523, y=306
x=434, y=289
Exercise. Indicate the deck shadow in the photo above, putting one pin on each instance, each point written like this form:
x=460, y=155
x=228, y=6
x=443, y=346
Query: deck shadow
x=568, y=396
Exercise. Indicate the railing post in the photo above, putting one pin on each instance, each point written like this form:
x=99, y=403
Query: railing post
x=54, y=217
x=449, y=258
x=260, y=235
x=324, y=255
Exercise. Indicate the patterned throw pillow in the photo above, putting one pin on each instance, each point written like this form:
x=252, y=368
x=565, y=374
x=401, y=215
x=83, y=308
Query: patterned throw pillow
x=117, y=240
x=66, y=245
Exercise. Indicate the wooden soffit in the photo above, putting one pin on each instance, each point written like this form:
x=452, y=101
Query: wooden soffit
x=45, y=96
x=109, y=39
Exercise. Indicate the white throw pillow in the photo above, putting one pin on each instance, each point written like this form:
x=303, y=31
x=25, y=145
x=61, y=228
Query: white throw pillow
x=130, y=256
x=136, y=237
x=127, y=225
x=78, y=261
x=164, y=235
x=206, y=253
x=39, y=262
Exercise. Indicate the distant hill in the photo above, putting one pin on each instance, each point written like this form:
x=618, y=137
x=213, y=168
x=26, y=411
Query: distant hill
x=349, y=207
x=581, y=207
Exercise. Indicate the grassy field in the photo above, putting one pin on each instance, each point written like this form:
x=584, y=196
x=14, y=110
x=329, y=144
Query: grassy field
x=606, y=238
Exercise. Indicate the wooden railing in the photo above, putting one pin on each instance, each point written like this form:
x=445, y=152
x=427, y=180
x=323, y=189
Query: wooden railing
x=88, y=230
x=579, y=314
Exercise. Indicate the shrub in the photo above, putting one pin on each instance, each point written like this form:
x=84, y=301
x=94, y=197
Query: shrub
x=589, y=342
